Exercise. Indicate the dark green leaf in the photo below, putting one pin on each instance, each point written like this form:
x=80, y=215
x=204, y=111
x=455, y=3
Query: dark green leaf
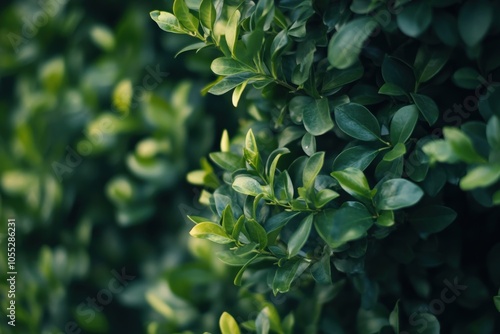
x=321, y=270
x=391, y=90
x=415, y=18
x=402, y=124
x=227, y=160
x=337, y=227
x=396, y=72
x=278, y=221
x=358, y=157
x=396, y=194
x=317, y=119
x=283, y=188
x=229, y=82
x=474, y=20
x=432, y=219
x=429, y=61
x=345, y=45
x=446, y=27
x=308, y=144
x=357, y=121
x=467, y=78
x=285, y=275
x=493, y=132
x=257, y=233
x=300, y=236
x=427, y=107
x=336, y=78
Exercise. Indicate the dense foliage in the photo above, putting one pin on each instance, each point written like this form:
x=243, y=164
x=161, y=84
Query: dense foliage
x=361, y=191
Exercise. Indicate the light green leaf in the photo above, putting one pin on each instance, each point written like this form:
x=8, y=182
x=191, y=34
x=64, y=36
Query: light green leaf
x=210, y=231
x=357, y=121
x=228, y=220
x=324, y=196
x=300, y=236
x=167, y=22
x=386, y=218
x=394, y=318
x=396, y=194
x=232, y=28
x=354, y=182
x=312, y=168
x=402, y=124
x=247, y=185
x=228, y=325
x=237, y=92
x=231, y=81
x=480, y=177
x=346, y=44
x=337, y=227
x=186, y=19
x=462, y=145
x=207, y=14
x=397, y=151
x=228, y=66
x=441, y=151
x=427, y=107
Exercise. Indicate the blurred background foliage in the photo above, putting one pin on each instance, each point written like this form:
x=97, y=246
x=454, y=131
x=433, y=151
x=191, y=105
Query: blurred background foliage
x=98, y=126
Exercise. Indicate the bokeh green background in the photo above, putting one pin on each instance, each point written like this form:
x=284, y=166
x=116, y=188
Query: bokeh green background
x=99, y=124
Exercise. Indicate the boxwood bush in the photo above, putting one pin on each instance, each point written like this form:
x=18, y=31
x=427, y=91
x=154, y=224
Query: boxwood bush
x=360, y=191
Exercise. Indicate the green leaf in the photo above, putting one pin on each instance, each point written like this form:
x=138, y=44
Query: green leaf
x=336, y=78
x=396, y=194
x=373, y=320
x=466, y=77
x=446, y=27
x=272, y=162
x=227, y=160
x=304, y=59
x=167, y=22
x=315, y=113
x=228, y=66
x=283, y=187
x=415, y=18
x=239, y=275
x=357, y=121
x=441, y=151
x=345, y=45
x=257, y=233
x=427, y=107
x=432, y=219
x=354, y=182
x=228, y=325
x=210, y=231
x=321, y=270
x=324, y=196
x=278, y=221
x=386, y=218
x=358, y=157
x=391, y=90
x=312, y=168
x=285, y=275
x=462, y=145
x=480, y=177
x=232, y=30
x=493, y=132
x=474, y=20
x=397, y=151
x=308, y=144
x=247, y=185
x=394, y=318
x=496, y=301
x=195, y=46
x=279, y=43
x=396, y=72
x=237, y=92
x=300, y=236
x=186, y=19
x=337, y=227
x=402, y=124
x=228, y=221
x=429, y=61
x=207, y=14
x=231, y=81
x=262, y=322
